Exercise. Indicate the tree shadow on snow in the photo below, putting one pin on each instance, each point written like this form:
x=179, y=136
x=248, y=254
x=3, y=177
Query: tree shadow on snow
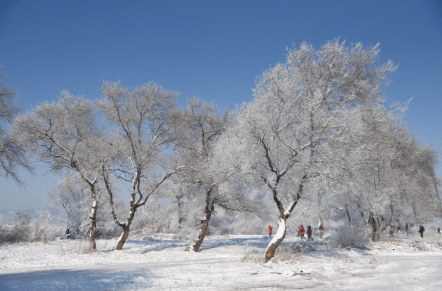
x=261, y=242
x=155, y=245
x=91, y=279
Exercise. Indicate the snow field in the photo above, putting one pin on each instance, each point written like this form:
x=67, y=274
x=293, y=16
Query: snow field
x=224, y=263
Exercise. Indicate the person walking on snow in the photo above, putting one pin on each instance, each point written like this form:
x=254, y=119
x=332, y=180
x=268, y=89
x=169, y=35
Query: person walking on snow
x=438, y=230
x=421, y=230
x=270, y=230
x=302, y=231
x=68, y=233
x=309, y=232
x=321, y=229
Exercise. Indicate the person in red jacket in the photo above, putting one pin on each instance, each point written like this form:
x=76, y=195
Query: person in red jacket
x=321, y=229
x=270, y=230
x=302, y=231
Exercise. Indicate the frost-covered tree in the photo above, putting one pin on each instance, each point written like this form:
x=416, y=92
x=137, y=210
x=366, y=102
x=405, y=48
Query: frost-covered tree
x=300, y=107
x=71, y=195
x=64, y=136
x=12, y=155
x=140, y=135
x=205, y=169
x=391, y=173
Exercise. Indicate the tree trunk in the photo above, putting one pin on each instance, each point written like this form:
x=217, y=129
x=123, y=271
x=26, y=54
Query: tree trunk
x=348, y=214
x=180, y=217
x=126, y=226
x=210, y=207
x=283, y=215
x=374, y=227
x=362, y=213
x=93, y=227
x=202, y=232
x=122, y=239
x=391, y=220
x=277, y=239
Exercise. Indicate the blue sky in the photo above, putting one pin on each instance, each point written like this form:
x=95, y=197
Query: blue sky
x=210, y=49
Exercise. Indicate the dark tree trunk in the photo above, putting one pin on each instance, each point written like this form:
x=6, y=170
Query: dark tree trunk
x=180, y=217
x=271, y=249
x=203, y=232
x=126, y=226
x=391, y=220
x=123, y=238
x=348, y=214
x=210, y=207
x=362, y=213
x=374, y=228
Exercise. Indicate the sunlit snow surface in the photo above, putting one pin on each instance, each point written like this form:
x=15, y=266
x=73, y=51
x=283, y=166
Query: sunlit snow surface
x=162, y=264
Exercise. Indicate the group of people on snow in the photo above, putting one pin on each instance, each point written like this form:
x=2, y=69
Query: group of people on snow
x=422, y=229
x=301, y=231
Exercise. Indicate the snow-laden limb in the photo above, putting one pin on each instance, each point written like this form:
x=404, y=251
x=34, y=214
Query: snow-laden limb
x=291, y=206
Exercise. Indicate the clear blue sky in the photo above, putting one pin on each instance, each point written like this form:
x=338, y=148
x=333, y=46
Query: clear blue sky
x=210, y=49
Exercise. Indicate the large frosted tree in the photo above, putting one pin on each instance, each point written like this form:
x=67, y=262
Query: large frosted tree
x=283, y=136
x=391, y=174
x=64, y=136
x=202, y=128
x=140, y=139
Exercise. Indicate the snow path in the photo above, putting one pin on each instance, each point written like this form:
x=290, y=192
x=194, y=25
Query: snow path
x=163, y=265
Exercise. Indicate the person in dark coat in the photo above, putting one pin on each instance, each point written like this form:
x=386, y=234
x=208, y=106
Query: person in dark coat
x=302, y=231
x=438, y=230
x=309, y=232
x=421, y=230
x=68, y=233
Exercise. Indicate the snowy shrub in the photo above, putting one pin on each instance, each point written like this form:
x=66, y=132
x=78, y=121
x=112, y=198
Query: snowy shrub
x=220, y=225
x=283, y=254
x=252, y=255
x=19, y=231
x=39, y=226
x=347, y=235
x=80, y=246
x=26, y=229
x=153, y=219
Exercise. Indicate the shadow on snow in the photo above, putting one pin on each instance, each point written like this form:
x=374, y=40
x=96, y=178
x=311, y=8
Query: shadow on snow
x=90, y=279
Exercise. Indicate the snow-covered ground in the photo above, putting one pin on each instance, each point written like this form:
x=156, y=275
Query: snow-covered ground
x=224, y=263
